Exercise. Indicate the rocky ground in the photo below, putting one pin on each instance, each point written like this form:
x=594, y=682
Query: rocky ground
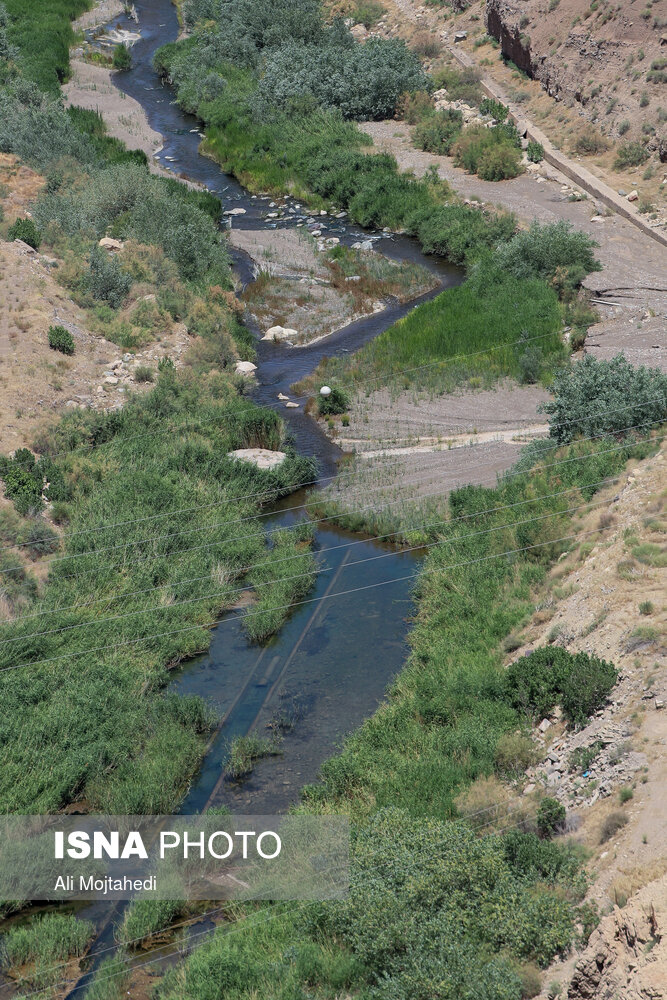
x=298, y=288
x=607, y=597
x=37, y=382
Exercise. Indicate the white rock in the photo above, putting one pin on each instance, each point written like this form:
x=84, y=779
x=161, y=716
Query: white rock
x=544, y=725
x=279, y=333
x=245, y=368
x=111, y=245
x=633, y=196
x=292, y=406
x=283, y=397
x=261, y=457
x=111, y=380
x=234, y=211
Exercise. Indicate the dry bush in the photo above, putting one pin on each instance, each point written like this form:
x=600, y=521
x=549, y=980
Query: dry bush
x=614, y=822
x=426, y=45
x=606, y=520
x=486, y=801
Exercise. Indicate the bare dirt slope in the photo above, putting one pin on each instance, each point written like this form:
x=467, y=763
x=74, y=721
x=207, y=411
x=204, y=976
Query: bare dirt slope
x=607, y=597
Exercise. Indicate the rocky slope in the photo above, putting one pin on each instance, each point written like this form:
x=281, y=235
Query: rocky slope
x=607, y=597
x=610, y=58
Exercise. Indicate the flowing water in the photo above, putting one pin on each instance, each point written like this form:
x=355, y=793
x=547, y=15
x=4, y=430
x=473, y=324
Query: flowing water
x=329, y=666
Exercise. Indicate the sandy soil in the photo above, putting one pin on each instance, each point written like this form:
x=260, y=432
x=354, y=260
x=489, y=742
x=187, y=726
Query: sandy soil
x=595, y=609
x=91, y=87
x=416, y=447
x=296, y=287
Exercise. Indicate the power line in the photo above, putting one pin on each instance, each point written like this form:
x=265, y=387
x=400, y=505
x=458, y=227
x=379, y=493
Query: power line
x=284, y=607
x=268, y=493
x=301, y=576
x=330, y=548
x=316, y=503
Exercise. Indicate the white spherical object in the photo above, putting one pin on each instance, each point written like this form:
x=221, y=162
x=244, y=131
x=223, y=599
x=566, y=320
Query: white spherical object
x=325, y=390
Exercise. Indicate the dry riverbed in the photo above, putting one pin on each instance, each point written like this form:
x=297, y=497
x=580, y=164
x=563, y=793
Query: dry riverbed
x=315, y=292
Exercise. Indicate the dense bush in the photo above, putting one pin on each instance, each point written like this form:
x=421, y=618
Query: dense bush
x=630, y=154
x=596, y=397
x=40, y=35
x=461, y=85
x=61, y=340
x=550, y=251
x=106, y=280
x=497, y=110
x=26, y=230
x=336, y=402
x=44, y=943
x=550, y=816
x=122, y=58
x=362, y=81
x=535, y=152
x=489, y=152
x=438, y=132
x=550, y=675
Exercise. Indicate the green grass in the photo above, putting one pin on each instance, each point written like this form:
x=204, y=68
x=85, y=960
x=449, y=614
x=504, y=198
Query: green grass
x=42, y=31
x=96, y=725
x=32, y=951
x=471, y=319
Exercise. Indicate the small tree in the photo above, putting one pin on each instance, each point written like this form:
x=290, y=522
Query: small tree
x=61, y=340
x=336, y=402
x=535, y=151
x=122, y=58
x=550, y=815
x=26, y=230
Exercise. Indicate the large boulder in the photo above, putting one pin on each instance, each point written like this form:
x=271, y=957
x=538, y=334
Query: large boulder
x=261, y=457
x=280, y=333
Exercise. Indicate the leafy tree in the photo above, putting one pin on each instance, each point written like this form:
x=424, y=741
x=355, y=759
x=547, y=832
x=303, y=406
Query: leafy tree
x=596, y=397
x=335, y=402
x=26, y=230
x=544, y=250
x=61, y=340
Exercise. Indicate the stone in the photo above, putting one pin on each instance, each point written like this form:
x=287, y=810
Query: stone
x=111, y=380
x=544, y=725
x=282, y=397
x=245, y=368
x=292, y=406
x=633, y=196
x=279, y=333
x=460, y=36
x=25, y=247
x=260, y=457
x=111, y=245
x=234, y=211
x=529, y=788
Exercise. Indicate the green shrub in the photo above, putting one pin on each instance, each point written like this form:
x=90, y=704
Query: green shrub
x=496, y=109
x=61, y=340
x=122, y=58
x=438, y=132
x=590, y=143
x=26, y=230
x=106, y=280
x=550, y=816
x=336, y=402
x=245, y=751
x=624, y=795
x=624, y=127
x=535, y=151
x=414, y=107
x=368, y=12
x=44, y=943
x=499, y=163
x=514, y=753
x=631, y=154
x=596, y=397
x=143, y=373
x=554, y=252
x=646, y=608
x=461, y=85
x=550, y=675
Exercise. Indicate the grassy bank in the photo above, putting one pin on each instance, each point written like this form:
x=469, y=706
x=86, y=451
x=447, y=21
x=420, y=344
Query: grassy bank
x=138, y=594
x=41, y=32
x=435, y=909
